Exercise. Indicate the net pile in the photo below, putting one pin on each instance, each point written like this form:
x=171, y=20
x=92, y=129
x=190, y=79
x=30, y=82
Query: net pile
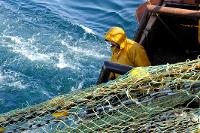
x=163, y=98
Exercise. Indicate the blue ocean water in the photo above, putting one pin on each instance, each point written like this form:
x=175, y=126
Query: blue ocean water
x=53, y=47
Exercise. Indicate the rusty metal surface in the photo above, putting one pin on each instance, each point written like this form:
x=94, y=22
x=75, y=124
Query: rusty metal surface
x=174, y=11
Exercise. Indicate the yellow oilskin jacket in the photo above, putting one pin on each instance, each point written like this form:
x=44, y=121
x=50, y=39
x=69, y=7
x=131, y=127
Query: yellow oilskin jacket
x=130, y=53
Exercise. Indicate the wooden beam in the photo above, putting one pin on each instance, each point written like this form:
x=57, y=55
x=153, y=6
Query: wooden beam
x=148, y=27
x=195, y=14
x=199, y=32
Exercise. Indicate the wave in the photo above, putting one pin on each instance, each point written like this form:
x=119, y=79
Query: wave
x=1, y=78
x=25, y=48
x=87, y=30
x=84, y=51
x=13, y=80
x=52, y=47
x=62, y=64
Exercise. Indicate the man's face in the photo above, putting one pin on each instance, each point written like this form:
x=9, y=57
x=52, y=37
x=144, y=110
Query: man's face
x=113, y=44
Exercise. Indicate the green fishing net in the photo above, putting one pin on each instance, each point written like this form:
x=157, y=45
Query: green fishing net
x=163, y=98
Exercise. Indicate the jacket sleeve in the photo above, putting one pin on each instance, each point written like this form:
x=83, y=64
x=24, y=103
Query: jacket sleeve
x=138, y=56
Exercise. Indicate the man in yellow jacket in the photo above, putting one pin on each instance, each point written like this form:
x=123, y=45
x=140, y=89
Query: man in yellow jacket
x=124, y=50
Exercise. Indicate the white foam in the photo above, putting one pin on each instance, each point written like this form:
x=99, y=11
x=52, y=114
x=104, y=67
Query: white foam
x=80, y=86
x=62, y=64
x=12, y=79
x=84, y=51
x=1, y=78
x=26, y=48
x=17, y=85
x=87, y=30
x=16, y=39
x=32, y=55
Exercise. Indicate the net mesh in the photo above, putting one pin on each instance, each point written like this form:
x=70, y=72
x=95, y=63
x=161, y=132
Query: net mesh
x=163, y=98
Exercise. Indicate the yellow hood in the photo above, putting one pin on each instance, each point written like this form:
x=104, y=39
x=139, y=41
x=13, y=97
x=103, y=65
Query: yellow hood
x=117, y=35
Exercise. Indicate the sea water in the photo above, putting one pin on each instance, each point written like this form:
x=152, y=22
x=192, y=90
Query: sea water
x=53, y=47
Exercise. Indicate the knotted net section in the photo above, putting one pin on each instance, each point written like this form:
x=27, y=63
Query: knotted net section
x=163, y=98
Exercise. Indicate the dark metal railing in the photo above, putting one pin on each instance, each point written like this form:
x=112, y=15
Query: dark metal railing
x=109, y=67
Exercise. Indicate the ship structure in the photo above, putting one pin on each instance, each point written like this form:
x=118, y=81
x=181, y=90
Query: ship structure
x=164, y=97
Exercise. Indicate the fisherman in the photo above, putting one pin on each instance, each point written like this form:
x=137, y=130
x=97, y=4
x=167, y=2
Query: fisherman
x=124, y=50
